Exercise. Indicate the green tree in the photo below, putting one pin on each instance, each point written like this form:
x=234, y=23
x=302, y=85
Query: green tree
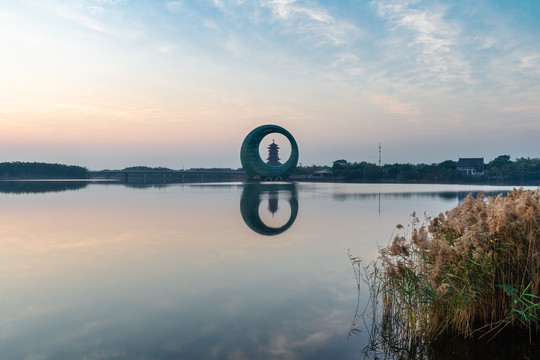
x=500, y=166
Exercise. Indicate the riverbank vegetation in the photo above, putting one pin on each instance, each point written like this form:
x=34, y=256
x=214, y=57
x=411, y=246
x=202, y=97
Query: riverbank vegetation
x=500, y=169
x=472, y=272
x=37, y=170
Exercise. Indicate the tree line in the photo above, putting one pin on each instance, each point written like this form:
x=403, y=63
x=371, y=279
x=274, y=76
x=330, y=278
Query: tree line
x=500, y=169
x=41, y=170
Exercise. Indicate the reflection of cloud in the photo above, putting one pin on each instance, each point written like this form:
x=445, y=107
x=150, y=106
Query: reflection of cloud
x=84, y=330
x=287, y=348
x=37, y=357
x=296, y=340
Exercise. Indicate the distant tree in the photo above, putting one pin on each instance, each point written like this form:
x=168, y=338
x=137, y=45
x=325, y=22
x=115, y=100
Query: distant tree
x=372, y=172
x=339, y=164
x=444, y=172
x=448, y=164
x=390, y=172
x=408, y=172
x=499, y=166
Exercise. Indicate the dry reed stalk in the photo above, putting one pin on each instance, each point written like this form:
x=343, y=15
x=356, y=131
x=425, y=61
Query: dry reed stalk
x=474, y=268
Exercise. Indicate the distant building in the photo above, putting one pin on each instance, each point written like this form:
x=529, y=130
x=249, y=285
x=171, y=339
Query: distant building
x=322, y=173
x=273, y=154
x=473, y=166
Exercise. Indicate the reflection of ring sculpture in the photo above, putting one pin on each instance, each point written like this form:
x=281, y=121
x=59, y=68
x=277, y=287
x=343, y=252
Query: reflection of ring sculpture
x=252, y=163
x=251, y=199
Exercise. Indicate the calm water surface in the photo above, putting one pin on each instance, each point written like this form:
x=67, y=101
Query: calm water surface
x=201, y=271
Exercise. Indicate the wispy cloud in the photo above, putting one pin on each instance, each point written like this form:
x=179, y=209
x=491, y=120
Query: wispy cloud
x=350, y=63
x=311, y=19
x=294, y=17
x=287, y=9
x=393, y=106
x=174, y=6
x=530, y=65
x=96, y=15
x=97, y=6
x=218, y=3
x=433, y=40
x=107, y=2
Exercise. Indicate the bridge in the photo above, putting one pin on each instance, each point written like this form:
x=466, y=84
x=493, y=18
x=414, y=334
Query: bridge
x=167, y=176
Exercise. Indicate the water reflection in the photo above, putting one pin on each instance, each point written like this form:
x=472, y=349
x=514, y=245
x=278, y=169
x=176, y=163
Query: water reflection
x=173, y=273
x=387, y=343
x=261, y=199
x=43, y=186
x=450, y=196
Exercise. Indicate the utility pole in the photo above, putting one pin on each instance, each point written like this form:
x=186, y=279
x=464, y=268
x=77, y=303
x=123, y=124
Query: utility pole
x=379, y=154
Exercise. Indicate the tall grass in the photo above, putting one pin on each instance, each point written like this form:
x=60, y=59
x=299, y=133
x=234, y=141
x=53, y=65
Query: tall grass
x=473, y=270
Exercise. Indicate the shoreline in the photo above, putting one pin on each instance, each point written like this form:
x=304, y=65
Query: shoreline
x=209, y=178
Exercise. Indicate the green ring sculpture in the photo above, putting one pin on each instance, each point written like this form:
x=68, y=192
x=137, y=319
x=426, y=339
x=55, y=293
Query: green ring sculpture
x=255, y=167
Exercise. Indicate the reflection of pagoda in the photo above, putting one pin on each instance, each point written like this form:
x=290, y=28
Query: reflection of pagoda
x=251, y=204
x=273, y=202
x=273, y=154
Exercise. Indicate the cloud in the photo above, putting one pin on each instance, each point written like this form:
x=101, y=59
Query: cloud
x=96, y=9
x=311, y=20
x=218, y=3
x=286, y=9
x=98, y=6
x=210, y=24
x=96, y=15
x=393, y=106
x=108, y=2
x=486, y=42
x=433, y=40
x=83, y=19
x=350, y=63
x=174, y=6
x=530, y=65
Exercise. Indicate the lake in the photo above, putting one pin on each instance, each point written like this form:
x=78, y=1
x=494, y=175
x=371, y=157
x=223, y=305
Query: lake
x=194, y=271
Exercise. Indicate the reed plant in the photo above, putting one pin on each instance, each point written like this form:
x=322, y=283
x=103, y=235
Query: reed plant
x=473, y=270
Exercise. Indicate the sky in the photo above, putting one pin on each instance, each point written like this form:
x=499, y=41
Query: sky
x=179, y=84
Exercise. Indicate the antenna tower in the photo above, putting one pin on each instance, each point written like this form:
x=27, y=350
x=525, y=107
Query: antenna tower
x=379, y=154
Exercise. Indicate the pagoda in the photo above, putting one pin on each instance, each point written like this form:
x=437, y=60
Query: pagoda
x=273, y=154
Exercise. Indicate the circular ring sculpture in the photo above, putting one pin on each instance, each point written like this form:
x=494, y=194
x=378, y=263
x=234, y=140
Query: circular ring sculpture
x=255, y=167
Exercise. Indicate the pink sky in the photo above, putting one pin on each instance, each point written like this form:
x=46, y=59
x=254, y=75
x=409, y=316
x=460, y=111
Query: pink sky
x=108, y=84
